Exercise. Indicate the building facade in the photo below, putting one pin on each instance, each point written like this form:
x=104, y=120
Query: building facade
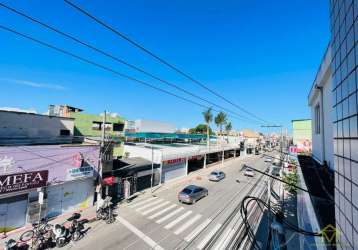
x=302, y=134
x=30, y=128
x=320, y=102
x=344, y=37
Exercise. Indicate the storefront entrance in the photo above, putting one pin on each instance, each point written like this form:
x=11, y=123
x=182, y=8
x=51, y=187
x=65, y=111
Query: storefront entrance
x=69, y=197
x=13, y=212
x=173, y=169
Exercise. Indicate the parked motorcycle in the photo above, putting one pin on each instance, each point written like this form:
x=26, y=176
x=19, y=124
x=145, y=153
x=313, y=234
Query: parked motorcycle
x=12, y=244
x=105, y=210
x=77, y=229
x=61, y=235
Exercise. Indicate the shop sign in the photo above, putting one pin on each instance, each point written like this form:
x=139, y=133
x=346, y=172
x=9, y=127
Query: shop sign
x=174, y=161
x=23, y=181
x=83, y=172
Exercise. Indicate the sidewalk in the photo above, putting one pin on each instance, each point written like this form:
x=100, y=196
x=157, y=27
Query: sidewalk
x=89, y=213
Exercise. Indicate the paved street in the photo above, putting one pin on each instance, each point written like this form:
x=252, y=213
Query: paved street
x=159, y=221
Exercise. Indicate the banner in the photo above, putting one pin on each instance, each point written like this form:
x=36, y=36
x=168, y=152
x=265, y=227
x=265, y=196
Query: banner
x=23, y=181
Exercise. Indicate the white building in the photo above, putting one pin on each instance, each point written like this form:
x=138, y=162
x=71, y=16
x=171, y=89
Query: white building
x=320, y=102
x=143, y=126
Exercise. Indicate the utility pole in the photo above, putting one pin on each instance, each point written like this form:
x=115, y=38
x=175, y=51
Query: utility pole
x=102, y=149
x=151, y=178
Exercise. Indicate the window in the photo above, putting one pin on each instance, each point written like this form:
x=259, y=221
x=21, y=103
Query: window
x=118, y=127
x=317, y=119
x=65, y=132
x=96, y=125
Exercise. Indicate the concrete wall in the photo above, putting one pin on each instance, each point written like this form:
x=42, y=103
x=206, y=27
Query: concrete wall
x=154, y=126
x=322, y=142
x=25, y=125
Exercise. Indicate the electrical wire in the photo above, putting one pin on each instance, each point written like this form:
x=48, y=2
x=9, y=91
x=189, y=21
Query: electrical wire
x=161, y=60
x=119, y=60
x=106, y=68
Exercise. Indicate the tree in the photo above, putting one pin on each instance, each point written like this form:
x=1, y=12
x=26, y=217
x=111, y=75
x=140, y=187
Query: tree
x=228, y=128
x=200, y=129
x=220, y=120
x=208, y=117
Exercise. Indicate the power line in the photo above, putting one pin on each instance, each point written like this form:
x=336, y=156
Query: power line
x=141, y=47
x=117, y=59
x=106, y=68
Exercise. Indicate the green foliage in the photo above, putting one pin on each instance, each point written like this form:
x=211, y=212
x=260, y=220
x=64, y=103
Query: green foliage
x=208, y=115
x=220, y=120
x=200, y=129
x=228, y=127
x=292, y=180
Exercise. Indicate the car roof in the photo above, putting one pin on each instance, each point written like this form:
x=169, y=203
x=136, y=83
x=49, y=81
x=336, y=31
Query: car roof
x=191, y=187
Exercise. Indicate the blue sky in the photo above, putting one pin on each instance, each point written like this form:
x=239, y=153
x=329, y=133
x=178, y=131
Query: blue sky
x=262, y=55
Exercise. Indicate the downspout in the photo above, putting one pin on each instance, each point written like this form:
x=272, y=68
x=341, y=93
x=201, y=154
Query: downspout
x=322, y=125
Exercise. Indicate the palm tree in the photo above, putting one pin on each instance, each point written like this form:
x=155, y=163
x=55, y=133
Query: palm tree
x=220, y=120
x=208, y=117
x=228, y=128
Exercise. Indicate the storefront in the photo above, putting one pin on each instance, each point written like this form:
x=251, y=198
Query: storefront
x=173, y=169
x=39, y=181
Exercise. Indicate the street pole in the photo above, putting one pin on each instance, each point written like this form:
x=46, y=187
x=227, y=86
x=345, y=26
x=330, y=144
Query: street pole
x=101, y=154
x=151, y=178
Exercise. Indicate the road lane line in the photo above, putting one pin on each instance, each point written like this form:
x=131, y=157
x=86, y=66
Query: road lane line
x=226, y=237
x=169, y=215
x=187, y=224
x=208, y=236
x=162, y=212
x=141, y=202
x=139, y=233
x=155, y=202
x=155, y=208
x=197, y=230
x=177, y=220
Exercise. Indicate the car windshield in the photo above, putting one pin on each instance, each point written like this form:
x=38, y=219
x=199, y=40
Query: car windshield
x=249, y=169
x=214, y=173
x=187, y=191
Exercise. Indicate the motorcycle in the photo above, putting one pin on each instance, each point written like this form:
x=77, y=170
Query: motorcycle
x=105, y=211
x=61, y=235
x=12, y=244
x=77, y=229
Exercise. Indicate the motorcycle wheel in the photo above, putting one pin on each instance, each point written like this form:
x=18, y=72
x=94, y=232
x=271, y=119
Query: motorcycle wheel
x=110, y=219
x=76, y=236
x=99, y=216
x=60, y=242
x=26, y=236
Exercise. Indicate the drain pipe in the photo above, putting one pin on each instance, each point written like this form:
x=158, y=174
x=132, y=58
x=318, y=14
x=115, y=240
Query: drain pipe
x=322, y=124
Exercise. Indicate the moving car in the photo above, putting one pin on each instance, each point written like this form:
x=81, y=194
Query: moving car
x=249, y=172
x=216, y=175
x=268, y=160
x=192, y=193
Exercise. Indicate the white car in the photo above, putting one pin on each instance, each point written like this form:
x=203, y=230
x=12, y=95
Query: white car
x=268, y=160
x=249, y=172
x=216, y=176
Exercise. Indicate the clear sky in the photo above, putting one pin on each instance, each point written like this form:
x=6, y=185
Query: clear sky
x=262, y=55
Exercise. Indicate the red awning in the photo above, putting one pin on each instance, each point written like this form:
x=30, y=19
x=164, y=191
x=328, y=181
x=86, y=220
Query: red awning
x=109, y=180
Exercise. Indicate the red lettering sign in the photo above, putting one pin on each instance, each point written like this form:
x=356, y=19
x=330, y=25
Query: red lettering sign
x=23, y=181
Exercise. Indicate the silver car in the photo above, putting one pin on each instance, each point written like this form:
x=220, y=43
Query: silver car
x=216, y=176
x=192, y=194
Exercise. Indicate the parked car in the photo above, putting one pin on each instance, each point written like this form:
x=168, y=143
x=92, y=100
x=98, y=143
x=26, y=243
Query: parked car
x=192, y=193
x=216, y=176
x=249, y=172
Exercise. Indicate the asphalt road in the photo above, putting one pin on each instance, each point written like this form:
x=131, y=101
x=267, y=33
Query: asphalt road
x=159, y=221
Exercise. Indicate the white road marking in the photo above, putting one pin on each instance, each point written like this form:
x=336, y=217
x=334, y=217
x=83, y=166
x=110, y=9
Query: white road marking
x=155, y=208
x=208, y=236
x=226, y=237
x=187, y=224
x=139, y=233
x=197, y=230
x=177, y=220
x=155, y=202
x=169, y=215
x=141, y=202
x=162, y=212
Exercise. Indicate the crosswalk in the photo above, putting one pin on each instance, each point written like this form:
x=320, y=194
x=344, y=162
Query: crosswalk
x=180, y=221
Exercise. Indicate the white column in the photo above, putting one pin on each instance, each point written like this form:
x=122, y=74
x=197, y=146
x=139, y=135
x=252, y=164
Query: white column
x=186, y=164
x=204, y=161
